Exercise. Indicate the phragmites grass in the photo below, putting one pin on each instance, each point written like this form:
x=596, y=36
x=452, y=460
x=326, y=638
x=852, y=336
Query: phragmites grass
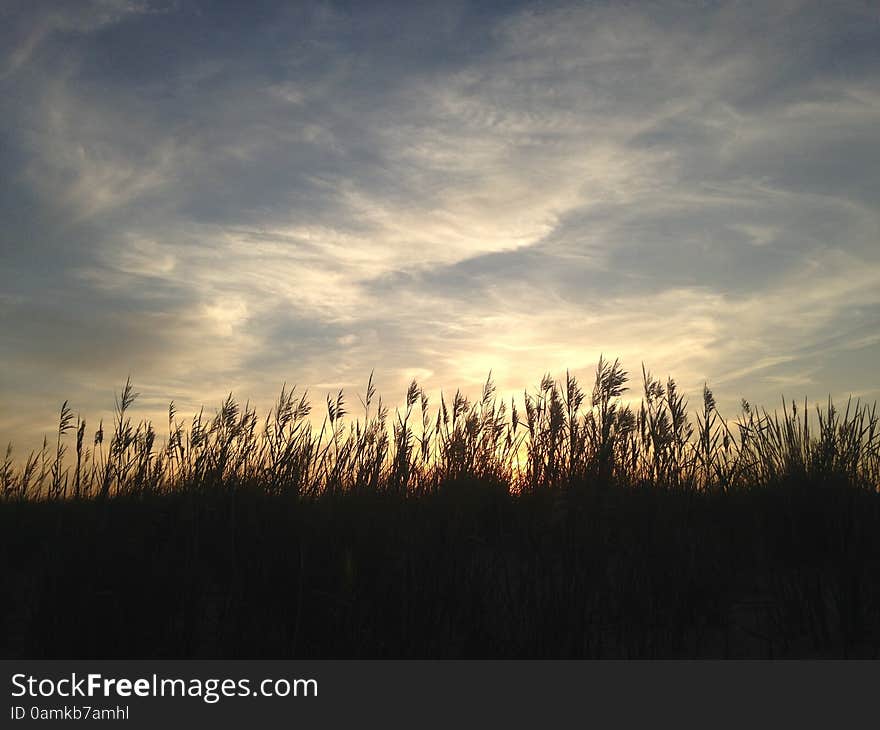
x=601, y=519
x=560, y=438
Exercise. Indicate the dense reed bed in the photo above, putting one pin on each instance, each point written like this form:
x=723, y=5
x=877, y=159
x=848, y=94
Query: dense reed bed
x=558, y=435
x=570, y=524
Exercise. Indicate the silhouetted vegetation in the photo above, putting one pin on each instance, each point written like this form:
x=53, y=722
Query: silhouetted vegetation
x=576, y=524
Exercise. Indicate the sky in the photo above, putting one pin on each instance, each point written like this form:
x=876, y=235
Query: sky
x=215, y=197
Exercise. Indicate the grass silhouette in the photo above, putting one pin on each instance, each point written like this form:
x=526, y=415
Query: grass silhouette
x=576, y=525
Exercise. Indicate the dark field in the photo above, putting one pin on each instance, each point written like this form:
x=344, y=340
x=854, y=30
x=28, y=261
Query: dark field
x=586, y=529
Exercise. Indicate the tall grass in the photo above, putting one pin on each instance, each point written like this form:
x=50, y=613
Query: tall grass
x=560, y=436
x=575, y=521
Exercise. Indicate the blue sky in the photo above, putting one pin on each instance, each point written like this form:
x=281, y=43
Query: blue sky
x=226, y=196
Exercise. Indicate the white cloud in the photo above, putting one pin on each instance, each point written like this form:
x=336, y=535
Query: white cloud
x=691, y=189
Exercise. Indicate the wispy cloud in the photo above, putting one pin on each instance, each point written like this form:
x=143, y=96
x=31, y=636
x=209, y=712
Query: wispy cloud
x=227, y=197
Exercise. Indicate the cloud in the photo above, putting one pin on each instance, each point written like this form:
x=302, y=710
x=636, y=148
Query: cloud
x=214, y=197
